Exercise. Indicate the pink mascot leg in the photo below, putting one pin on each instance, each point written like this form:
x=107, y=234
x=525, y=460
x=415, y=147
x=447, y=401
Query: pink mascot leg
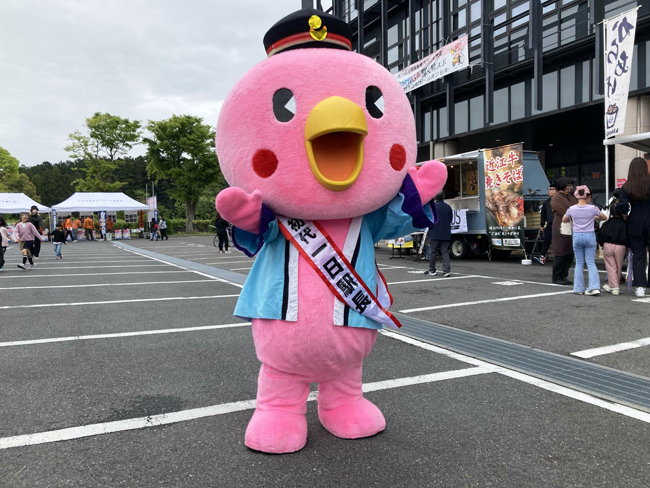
x=278, y=424
x=344, y=412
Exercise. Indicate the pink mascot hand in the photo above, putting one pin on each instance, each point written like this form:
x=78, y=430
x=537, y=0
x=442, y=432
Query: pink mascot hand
x=240, y=209
x=429, y=179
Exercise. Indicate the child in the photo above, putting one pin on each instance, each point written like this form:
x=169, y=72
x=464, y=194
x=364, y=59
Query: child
x=584, y=214
x=613, y=237
x=4, y=241
x=58, y=237
x=25, y=233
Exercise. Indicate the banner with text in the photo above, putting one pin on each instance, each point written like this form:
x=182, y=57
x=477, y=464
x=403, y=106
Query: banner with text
x=504, y=195
x=459, y=222
x=448, y=59
x=619, y=50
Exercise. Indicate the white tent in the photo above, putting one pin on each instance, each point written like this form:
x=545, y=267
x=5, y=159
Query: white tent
x=95, y=202
x=12, y=203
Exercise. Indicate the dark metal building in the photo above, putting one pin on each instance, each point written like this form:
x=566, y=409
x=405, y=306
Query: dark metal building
x=536, y=75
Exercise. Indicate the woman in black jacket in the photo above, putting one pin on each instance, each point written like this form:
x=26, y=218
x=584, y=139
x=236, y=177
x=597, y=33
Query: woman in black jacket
x=635, y=198
x=222, y=231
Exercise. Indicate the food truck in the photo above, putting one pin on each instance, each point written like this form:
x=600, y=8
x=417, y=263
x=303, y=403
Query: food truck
x=474, y=206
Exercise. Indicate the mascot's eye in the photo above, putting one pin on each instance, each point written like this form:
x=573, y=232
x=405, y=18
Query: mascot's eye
x=374, y=102
x=284, y=105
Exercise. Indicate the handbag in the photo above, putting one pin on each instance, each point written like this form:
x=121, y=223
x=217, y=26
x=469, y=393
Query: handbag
x=566, y=228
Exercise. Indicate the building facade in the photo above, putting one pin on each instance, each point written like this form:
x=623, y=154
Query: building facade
x=536, y=75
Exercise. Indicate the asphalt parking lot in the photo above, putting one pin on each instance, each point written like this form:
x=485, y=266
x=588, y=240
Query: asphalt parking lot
x=122, y=367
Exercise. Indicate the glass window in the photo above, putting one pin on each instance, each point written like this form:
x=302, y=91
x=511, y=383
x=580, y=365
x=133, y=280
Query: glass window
x=550, y=37
x=475, y=11
x=499, y=19
x=426, y=127
x=550, y=92
x=393, y=36
x=497, y=4
x=462, y=122
x=568, y=86
x=442, y=120
x=393, y=54
x=476, y=106
x=459, y=20
x=518, y=101
x=634, y=76
x=519, y=9
x=501, y=106
x=457, y=3
x=582, y=82
x=452, y=186
x=434, y=124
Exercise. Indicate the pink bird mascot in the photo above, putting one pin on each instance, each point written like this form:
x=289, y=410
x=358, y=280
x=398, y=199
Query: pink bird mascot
x=318, y=144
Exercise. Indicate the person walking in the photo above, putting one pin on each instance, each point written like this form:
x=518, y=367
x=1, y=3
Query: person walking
x=58, y=238
x=634, y=198
x=222, y=232
x=613, y=237
x=154, y=229
x=546, y=225
x=67, y=225
x=76, y=224
x=561, y=244
x=4, y=242
x=89, y=226
x=440, y=236
x=162, y=227
x=37, y=221
x=583, y=215
x=110, y=225
x=25, y=233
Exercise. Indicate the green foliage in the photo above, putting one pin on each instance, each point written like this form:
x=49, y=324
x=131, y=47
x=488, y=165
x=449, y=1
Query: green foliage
x=53, y=181
x=12, y=180
x=109, y=138
x=181, y=150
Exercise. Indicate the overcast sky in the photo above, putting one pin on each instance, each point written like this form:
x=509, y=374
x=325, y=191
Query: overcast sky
x=63, y=60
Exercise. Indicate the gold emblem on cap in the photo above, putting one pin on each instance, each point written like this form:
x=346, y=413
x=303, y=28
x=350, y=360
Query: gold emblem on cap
x=315, y=30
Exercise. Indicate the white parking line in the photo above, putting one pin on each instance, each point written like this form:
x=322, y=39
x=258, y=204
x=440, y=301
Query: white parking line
x=27, y=275
x=240, y=269
x=112, y=302
x=39, y=266
x=478, y=302
x=229, y=262
x=433, y=279
x=197, y=413
x=121, y=334
x=183, y=267
x=106, y=284
x=600, y=351
x=546, y=385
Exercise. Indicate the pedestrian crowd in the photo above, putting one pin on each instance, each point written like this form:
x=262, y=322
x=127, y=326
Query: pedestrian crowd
x=568, y=224
x=29, y=232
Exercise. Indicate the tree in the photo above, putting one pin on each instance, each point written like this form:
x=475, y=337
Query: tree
x=181, y=149
x=109, y=137
x=11, y=180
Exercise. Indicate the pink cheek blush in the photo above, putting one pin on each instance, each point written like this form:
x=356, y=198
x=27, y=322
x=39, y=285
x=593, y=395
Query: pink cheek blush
x=397, y=157
x=265, y=162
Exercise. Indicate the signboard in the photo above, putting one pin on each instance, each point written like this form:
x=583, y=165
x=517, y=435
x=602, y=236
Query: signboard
x=126, y=233
x=448, y=59
x=619, y=49
x=118, y=234
x=53, y=222
x=102, y=221
x=81, y=234
x=504, y=195
x=459, y=222
x=620, y=182
x=400, y=242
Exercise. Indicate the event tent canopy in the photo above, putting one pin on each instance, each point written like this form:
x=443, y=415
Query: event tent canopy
x=95, y=202
x=11, y=203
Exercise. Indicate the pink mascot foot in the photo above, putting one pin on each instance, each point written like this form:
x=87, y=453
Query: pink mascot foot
x=278, y=425
x=276, y=432
x=354, y=420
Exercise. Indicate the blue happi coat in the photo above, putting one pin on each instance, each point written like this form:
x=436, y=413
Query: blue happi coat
x=271, y=289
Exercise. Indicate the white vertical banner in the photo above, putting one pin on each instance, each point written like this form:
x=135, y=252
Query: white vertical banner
x=619, y=49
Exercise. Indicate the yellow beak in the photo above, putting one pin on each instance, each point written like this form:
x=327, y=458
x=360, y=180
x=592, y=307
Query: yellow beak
x=334, y=134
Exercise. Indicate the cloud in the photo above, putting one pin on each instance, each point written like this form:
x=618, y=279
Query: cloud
x=144, y=60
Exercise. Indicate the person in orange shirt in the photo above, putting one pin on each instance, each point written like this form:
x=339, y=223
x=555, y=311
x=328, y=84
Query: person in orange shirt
x=76, y=223
x=89, y=225
x=67, y=225
x=109, y=225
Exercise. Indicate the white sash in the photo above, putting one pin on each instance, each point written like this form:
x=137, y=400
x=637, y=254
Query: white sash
x=323, y=255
